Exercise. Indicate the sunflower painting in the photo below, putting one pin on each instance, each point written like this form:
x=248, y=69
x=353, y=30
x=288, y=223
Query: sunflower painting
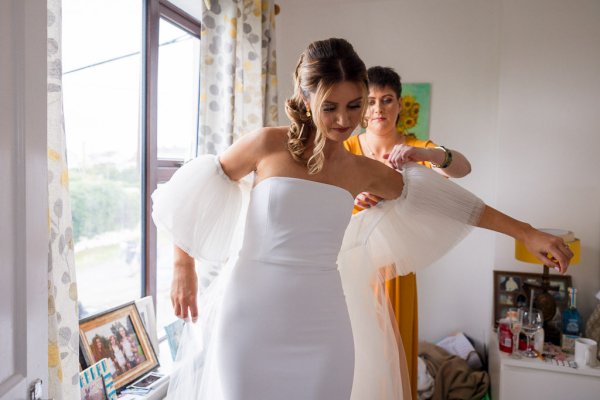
x=414, y=116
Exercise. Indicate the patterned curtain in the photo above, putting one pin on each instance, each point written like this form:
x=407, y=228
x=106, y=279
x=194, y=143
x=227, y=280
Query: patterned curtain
x=238, y=82
x=63, y=323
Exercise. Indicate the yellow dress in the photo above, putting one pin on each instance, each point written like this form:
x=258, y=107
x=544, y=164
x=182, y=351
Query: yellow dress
x=402, y=291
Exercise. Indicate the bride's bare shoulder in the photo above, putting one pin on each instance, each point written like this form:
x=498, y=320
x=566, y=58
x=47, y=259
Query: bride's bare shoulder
x=274, y=138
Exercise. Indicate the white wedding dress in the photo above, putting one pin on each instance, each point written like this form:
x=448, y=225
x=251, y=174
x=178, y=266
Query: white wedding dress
x=298, y=310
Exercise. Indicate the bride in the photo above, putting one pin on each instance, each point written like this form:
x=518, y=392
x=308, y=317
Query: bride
x=295, y=312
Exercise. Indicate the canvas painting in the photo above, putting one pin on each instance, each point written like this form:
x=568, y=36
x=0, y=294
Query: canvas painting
x=415, y=112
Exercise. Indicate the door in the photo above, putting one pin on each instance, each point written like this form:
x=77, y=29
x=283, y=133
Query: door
x=23, y=198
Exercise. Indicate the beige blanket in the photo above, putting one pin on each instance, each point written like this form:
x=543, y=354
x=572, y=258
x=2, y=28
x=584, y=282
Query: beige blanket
x=453, y=377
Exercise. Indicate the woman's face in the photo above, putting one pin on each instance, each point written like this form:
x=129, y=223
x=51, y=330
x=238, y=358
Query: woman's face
x=383, y=110
x=341, y=110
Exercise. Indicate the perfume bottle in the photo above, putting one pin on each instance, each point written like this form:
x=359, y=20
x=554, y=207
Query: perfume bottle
x=572, y=323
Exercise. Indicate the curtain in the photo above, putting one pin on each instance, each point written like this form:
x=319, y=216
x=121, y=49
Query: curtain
x=238, y=82
x=63, y=323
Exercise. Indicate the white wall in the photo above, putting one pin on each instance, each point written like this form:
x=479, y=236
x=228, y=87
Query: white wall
x=549, y=127
x=483, y=58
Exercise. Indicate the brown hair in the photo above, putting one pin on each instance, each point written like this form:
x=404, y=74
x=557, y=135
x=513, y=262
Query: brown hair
x=323, y=64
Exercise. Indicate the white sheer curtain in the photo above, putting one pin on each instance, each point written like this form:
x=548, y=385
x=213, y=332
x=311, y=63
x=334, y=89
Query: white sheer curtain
x=63, y=323
x=238, y=82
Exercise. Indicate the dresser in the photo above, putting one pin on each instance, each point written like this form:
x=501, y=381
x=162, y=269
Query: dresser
x=527, y=378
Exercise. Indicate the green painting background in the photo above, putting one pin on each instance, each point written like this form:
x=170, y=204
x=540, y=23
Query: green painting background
x=422, y=93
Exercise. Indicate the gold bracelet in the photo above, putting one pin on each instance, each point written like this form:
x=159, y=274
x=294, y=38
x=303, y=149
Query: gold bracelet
x=447, y=159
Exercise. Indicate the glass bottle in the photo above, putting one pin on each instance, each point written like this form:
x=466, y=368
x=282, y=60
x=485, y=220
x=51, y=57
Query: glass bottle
x=572, y=323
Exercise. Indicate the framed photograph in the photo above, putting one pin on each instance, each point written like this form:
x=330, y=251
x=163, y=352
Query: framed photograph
x=513, y=289
x=95, y=383
x=148, y=381
x=118, y=335
x=173, y=331
x=145, y=307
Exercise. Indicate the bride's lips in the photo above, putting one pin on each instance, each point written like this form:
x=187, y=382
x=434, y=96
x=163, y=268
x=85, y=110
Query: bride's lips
x=378, y=119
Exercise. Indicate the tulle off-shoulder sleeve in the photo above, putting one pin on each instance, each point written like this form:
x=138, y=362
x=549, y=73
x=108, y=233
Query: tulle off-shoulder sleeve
x=431, y=216
x=199, y=208
x=394, y=238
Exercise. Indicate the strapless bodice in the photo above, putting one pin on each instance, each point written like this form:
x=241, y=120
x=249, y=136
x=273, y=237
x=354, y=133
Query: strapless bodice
x=296, y=221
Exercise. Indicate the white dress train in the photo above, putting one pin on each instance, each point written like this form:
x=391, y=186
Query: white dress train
x=298, y=311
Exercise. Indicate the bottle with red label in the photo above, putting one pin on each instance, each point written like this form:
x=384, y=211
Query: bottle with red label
x=505, y=336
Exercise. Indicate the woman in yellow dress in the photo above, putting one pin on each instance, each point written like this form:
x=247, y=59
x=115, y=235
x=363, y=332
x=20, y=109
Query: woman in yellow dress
x=383, y=113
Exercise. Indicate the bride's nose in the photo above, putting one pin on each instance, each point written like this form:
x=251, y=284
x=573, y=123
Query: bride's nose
x=343, y=119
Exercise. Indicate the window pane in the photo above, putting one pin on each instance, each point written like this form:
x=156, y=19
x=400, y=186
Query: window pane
x=164, y=265
x=178, y=77
x=101, y=83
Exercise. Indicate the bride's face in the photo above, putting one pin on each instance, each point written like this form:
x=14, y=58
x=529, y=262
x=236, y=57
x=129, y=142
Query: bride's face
x=341, y=111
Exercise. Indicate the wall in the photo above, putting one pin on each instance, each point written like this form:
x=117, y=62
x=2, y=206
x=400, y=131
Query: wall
x=482, y=58
x=549, y=121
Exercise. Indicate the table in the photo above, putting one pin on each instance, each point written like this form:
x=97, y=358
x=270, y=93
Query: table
x=535, y=379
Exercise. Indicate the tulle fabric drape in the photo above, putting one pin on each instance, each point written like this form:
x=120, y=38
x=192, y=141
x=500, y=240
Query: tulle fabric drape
x=395, y=238
x=203, y=213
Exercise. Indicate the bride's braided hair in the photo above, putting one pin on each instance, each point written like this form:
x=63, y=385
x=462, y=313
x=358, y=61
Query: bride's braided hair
x=323, y=64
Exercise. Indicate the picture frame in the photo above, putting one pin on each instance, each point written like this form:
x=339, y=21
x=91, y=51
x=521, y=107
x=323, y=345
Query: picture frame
x=95, y=383
x=174, y=331
x=119, y=336
x=145, y=307
x=511, y=290
x=416, y=109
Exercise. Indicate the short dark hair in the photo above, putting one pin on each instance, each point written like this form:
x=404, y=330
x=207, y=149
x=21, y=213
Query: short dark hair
x=385, y=76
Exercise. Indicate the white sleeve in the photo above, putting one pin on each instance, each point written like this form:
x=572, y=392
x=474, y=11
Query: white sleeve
x=394, y=238
x=432, y=215
x=199, y=208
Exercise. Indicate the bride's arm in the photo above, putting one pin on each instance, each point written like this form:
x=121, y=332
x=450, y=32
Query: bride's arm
x=539, y=243
x=243, y=156
x=184, y=286
x=237, y=161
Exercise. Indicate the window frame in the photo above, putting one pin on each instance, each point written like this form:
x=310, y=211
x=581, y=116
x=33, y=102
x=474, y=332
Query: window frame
x=154, y=170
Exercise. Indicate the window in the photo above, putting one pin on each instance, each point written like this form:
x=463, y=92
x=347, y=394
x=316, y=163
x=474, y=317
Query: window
x=177, y=124
x=130, y=85
x=101, y=87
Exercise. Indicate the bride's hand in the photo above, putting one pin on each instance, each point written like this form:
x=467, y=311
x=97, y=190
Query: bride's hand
x=184, y=287
x=550, y=249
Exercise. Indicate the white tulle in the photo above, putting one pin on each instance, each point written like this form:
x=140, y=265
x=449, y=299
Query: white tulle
x=396, y=238
x=203, y=211
x=199, y=209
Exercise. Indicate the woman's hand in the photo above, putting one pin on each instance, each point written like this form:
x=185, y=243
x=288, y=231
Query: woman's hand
x=551, y=250
x=366, y=200
x=184, y=287
x=403, y=153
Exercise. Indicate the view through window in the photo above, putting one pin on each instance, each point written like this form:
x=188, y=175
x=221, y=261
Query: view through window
x=102, y=87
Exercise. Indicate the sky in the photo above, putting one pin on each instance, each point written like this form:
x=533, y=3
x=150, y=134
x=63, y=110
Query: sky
x=102, y=43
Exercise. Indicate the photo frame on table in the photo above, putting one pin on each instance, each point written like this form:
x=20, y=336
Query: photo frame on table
x=511, y=290
x=174, y=331
x=95, y=383
x=119, y=336
x=145, y=307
